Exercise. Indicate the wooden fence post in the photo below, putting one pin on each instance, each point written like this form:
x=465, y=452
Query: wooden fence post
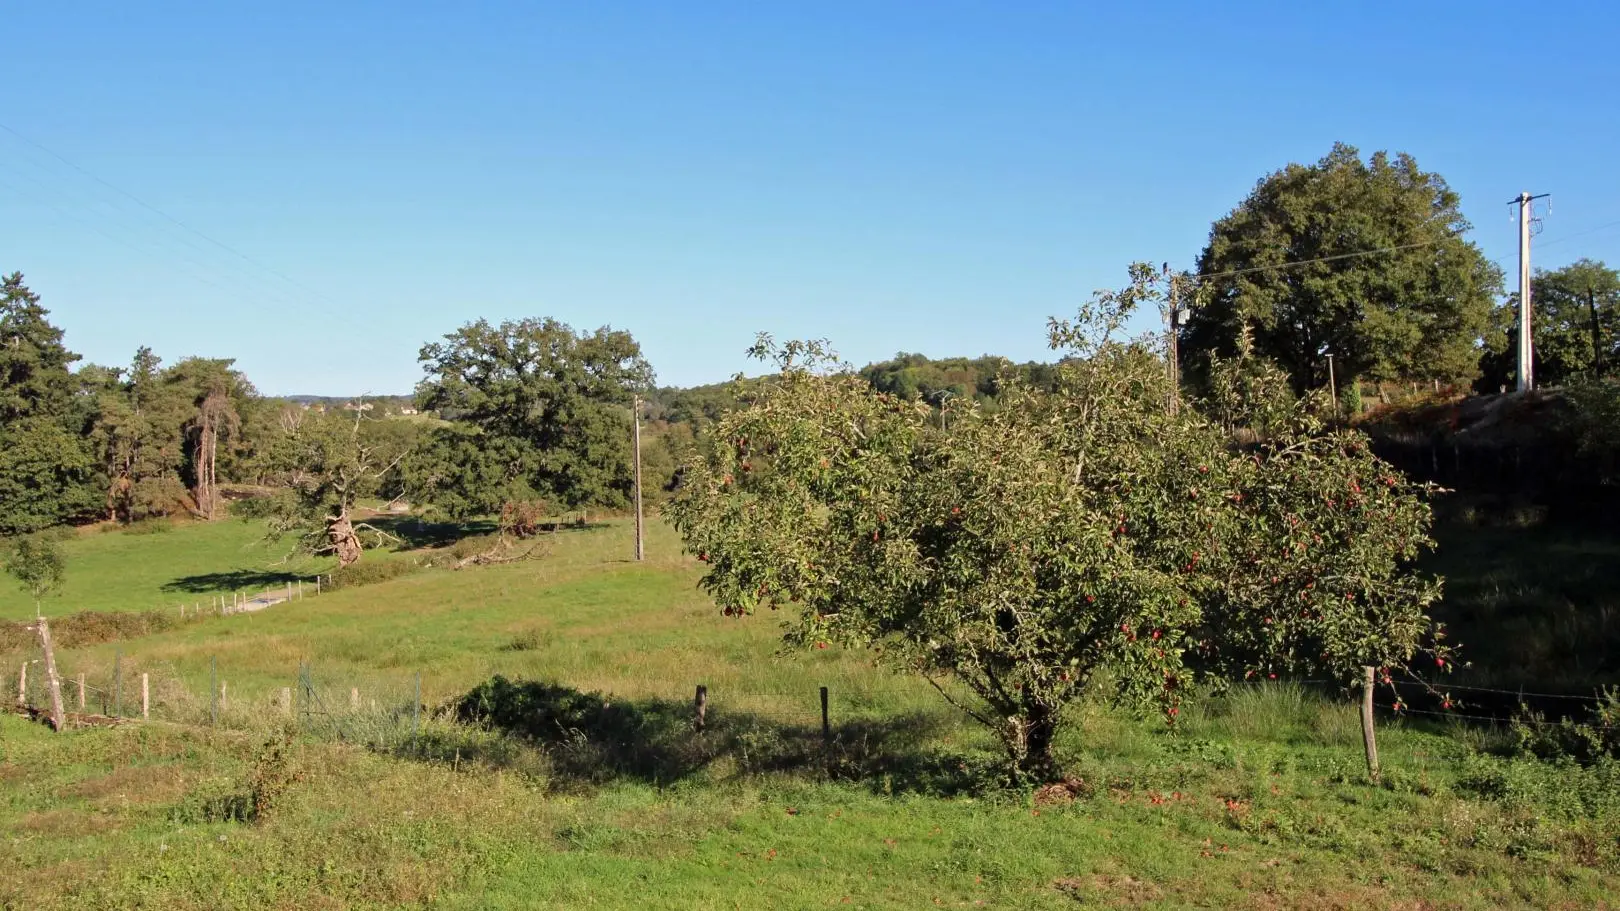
x=1368, y=738
x=52, y=681
x=223, y=704
x=286, y=700
x=81, y=691
x=354, y=699
x=700, y=704
x=22, y=685
x=146, y=697
x=826, y=722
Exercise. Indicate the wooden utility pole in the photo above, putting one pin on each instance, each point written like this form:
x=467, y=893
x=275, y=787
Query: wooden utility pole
x=1172, y=344
x=635, y=422
x=58, y=719
x=1368, y=738
x=1597, y=339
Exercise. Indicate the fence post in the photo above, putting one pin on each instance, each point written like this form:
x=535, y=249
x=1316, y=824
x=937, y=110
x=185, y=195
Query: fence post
x=300, y=589
x=700, y=704
x=317, y=585
x=1368, y=738
x=289, y=591
x=826, y=724
x=224, y=704
x=52, y=682
x=213, y=690
x=118, y=684
x=81, y=692
x=146, y=697
x=416, y=707
x=354, y=699
x=22, y=685
x=286, y=700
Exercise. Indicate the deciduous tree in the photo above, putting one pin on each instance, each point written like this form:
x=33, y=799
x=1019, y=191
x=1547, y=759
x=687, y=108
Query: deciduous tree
x=542, y=411
x=1576, y=325
x=1288, y=264
x=1076, y=532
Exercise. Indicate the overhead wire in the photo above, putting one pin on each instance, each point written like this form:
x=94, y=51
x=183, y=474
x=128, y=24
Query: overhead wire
x=162, y=214
x=112, y=223
x=1320, y=259
x=114, y=213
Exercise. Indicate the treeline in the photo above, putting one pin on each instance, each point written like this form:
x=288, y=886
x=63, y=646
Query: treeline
x=1348, y=272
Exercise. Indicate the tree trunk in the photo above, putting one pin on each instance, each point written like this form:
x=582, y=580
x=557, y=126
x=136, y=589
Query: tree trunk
x=1029, y=743
x=345, y=542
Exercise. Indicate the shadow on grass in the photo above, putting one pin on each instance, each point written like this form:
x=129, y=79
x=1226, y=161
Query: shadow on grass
x=590, y=740
x=235, y=580
x=415, y=531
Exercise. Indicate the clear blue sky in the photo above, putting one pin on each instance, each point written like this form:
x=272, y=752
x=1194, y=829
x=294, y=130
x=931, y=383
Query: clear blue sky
x=926, y=176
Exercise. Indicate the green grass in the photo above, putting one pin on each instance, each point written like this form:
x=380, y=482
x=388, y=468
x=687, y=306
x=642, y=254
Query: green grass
x=1257, y=799
x=160, y=565
x=1537, y=606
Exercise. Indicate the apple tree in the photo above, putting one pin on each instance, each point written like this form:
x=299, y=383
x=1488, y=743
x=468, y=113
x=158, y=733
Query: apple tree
x=1080, y=532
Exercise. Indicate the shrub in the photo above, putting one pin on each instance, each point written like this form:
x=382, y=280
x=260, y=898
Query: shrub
x=1585, y=742
x=370, y=572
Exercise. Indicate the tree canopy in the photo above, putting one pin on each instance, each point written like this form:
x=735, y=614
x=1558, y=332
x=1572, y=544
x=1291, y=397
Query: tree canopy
x=1075, y=532
x=45, y=467
x=1412, y=312
x=542, y=414
x=1575, y=325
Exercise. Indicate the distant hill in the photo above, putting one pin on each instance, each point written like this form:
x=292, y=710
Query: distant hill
x=340, y=399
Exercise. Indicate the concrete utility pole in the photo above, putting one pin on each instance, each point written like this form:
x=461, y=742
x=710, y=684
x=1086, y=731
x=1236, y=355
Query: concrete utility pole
x=635, y=421
x=1526, y=348
x=1333, y=386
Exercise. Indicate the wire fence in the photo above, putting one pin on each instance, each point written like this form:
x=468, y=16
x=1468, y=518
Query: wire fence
x=390, y=708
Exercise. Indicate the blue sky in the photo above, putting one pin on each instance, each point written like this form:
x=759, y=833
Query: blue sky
x=936, y=177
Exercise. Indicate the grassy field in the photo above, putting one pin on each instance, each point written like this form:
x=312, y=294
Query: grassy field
x=160, y=565
x=591, y=789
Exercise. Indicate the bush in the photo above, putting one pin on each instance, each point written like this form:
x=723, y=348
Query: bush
x=1585, y=742
x=369, y=573
x=87, y=628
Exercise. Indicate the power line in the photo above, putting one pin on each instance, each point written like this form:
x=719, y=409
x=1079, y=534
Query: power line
x=1602, y=227
x=98, y=213
x=1394, y=249
x=1322, y=259
x=164, y=215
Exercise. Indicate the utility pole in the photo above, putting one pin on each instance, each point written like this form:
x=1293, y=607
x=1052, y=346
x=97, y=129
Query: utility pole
x=1597, y=338
x=1173, y=365
x=1333, y=386
x=635, y=422
x=1526, y=348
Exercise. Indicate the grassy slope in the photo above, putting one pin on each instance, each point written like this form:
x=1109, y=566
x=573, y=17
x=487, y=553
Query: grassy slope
x=1255, y=802
x=114, y=570
x=1537, y=606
